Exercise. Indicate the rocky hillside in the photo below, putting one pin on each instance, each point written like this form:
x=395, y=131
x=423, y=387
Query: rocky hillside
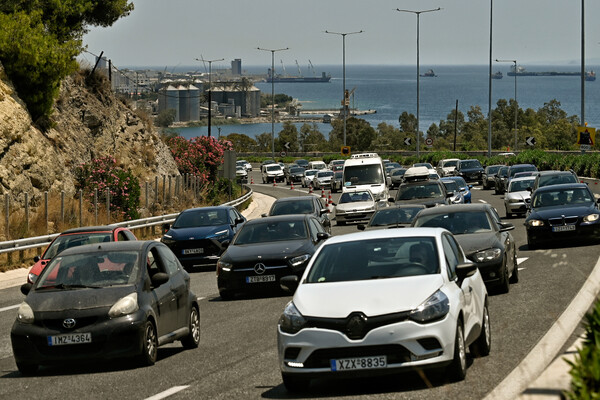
x=89, y=122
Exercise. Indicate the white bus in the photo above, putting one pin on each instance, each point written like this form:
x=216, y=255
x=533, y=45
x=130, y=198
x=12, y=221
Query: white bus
x=366, y=171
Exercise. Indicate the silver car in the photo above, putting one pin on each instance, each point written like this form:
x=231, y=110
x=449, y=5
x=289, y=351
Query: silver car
x=322, y=179
x=517, y=196
x=356, y=205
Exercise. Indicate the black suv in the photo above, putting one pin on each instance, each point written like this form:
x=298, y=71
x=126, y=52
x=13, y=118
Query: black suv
x=471, y=170
x=302, y=205
x=430, y=192
x=547, y=178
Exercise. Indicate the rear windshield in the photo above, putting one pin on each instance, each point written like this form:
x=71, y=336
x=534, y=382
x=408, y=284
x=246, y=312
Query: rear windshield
x=72, y=240
x=271, y=232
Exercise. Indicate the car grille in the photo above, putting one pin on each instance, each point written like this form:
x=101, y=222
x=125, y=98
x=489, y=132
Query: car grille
x=571, y=220
x=345, y=325
x=321, y=358
x=57, y=324
x=211, y=248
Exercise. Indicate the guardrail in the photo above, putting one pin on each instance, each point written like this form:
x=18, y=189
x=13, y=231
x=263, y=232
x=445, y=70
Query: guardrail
x=40, y=241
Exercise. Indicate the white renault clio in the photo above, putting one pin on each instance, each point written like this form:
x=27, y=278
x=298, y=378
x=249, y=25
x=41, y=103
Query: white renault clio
x=382, y=301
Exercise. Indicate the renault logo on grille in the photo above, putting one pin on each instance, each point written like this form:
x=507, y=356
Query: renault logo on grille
x=69, y=323
x=356, y=326
x=260, y=268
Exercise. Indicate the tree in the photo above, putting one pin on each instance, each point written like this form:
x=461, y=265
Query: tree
x=289, y=133
x=166, y=117
x=264, y=142
x=359, y=133
x=40, y=40
x=241, y=143
x=311, y=139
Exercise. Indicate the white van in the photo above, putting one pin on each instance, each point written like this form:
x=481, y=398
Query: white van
x=317, y=165
x=365, y=171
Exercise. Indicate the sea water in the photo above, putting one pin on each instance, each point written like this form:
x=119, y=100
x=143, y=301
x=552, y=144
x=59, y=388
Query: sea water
x=392, y=90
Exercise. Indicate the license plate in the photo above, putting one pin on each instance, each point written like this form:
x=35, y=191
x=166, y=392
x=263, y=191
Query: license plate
x=261, y=278
x=563, y=228
x=193, y=251
x=351, y=364
x=74, y=338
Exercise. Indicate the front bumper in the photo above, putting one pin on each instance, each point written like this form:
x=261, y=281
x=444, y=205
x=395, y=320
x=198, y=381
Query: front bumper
x=354, y=216
x=582, y=232
x=309, y=353
x=516, y=208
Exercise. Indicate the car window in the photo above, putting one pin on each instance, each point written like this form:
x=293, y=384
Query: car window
x=67, y=241
x=170, y=261
x=460, y=222
x=201, y=217
x=125, y=235
x=451, y=256
x=375, y=259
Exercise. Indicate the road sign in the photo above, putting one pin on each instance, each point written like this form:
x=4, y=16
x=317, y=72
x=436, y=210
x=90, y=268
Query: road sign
x=530, y=140
x=345, y=151
x=287, y=145
x=407, y=141
x=429, y=142
x=282, y=154
x=586, y=137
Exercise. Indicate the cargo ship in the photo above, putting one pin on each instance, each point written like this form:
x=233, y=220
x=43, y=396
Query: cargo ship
x=589, y=75
x=296, y=79
x=497, y=75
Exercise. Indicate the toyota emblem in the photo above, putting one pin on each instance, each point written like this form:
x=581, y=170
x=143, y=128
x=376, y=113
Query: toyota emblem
x=260, y=268
x=69, y=323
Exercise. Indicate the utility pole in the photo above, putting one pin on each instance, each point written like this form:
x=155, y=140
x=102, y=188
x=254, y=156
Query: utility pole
x=209, y=87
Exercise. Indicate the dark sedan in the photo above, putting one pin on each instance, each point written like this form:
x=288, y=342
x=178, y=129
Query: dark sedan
x=500, y=180
x=105, y=301
x=336, y=182
x=311, y=205
x=294, y=174
x=489, y=176
x=398, y=216
x=198, y=236
x=265, y=250
x=482, y=235
x=562, y=212
x=429, y=192
x=471, y=170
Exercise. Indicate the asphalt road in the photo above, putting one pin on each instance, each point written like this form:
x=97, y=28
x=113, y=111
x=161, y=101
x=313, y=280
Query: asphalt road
x=237, y=357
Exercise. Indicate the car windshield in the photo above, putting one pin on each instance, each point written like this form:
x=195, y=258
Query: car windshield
x=375, y=259
x=513, y=170
x=196, y=218
x=295, y=170
x=503, y=171
x=426, y=165
x=460, y=181
x=451, y=186
x=470, y=164
x=364, y=174
x=459, y=222
x=324, y=174
x=520, y=186
x=545, y=180
x=271, y=231
x=561, y=197
x=292, y=207
x=98, y=269
x=393, y=216
x=450, y=163
x=310, y=172
x=423, y=191
x=272, y=168
x=398, y=172
x=351, y=197
x=338, y=174
x=493, y=169
x=66, y=241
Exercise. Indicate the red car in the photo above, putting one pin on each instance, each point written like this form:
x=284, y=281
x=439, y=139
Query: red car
x=77, y=237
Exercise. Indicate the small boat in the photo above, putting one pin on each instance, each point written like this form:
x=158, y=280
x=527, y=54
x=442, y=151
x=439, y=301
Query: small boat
x=429, y=73
x=590, y=76
x=497, y=75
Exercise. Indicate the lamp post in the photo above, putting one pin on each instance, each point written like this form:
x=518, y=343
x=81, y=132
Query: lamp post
x=344, y=99
x=489, y=154
x=209, y=87
x=516, y=105
x=272, y=96
x=418, y=14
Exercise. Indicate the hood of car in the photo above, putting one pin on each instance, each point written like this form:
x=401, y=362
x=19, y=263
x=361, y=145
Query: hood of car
x=560, y=210
x=518, y=195
x=355, y=205
x=267, y=251
x=194, y=233
x=60, y=301
x=472, y=242
x=372, y=297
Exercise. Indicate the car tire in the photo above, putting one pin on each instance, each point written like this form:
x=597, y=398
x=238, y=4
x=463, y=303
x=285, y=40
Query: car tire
x=457, y=370
x=149, y=345
x=192, y=340
x=508, y=215
x=531, y=244
x=295, y=383
x=514, y=278
x=504, y=285
x=482, y=346
x=27, y=369
x=226, y=295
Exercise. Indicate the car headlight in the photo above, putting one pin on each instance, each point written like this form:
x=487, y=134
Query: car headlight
x=291, y=321
x=487, y=255
x=124, y=306
x=221, y=235
x=167, y=239
x=25, y=314
x=299, y=260
x=591, y=218
x=31, y=277
x=456, y=199
x=223, y=266
x=535, y=222
x=434, y=308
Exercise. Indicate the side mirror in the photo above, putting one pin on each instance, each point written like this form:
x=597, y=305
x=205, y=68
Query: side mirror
x=289, y=283
x=159, y=278
x=464, y=270
x=361, y=227
x=239, y=221
x=26, y=288
x=470, y=187
x=530, y=189
x=165, y=228
x=263, y=215
x=324, y=211
x=322, y=236
x=391, y=200
x=505, y=226
x=36, y=258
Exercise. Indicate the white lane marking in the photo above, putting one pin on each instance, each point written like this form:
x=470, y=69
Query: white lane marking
x=200, y=298
x=9, y=307
x=168, y=393
x=482, y=201
x=521, y=259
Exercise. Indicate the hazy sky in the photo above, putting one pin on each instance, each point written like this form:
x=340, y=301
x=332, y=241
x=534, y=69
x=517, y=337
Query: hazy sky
x=175, y=32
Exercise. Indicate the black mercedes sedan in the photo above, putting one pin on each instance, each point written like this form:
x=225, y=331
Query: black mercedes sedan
x=267, y=249
x=485, y=239
x=105, y=301
x=562, y=212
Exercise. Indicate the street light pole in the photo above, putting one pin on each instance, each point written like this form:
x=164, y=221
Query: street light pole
x=344, y=100
x=516, y=104
x=418, y=14
x=272, y=96
x=209, y=87
x=489, y=154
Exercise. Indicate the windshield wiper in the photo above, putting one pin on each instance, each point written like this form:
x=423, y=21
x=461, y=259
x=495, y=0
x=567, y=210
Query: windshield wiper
x=62, y=286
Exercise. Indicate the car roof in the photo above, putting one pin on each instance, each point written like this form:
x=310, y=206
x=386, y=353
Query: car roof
x=84, y=229
x=294, y=198
x=208, y=208
x=455, y=208
x=555, y=172
x=563, y=186
x=522, y=165
x=523, y=178
x=277, y=218
x=126, y=245
x=385, y=233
